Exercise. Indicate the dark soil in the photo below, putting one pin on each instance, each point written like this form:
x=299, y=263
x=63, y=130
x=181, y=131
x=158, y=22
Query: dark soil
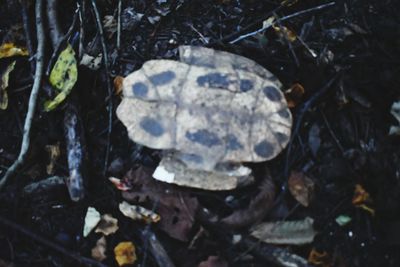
x=340, y=134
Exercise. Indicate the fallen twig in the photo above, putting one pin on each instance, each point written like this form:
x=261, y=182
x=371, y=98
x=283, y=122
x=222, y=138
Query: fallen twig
x=33, y=97
x=45, y=242
x=156, y=249
x=244, y=36
x=105, y=60
x=73, y=128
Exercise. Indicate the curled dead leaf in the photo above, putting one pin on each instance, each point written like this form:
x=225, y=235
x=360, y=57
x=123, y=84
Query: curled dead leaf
x=294, y=95
x=107, y=225
x=99, y=251
x=361, y=199
x=54, y=154
x=301, y=187
x=118, y=80
x=259, y=206
x=120, y=184
x=319, y=258
x=138, y=213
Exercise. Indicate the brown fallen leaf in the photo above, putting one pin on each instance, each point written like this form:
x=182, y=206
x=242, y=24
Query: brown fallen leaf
x=118, y=80
x=321, y=259
x=54, y=154
x=125, y=253
x=285, y=232
x=213, y=261
x=294, y=95
x=301, y=187
x=258, y=208
x=107, y=225
x=174, y=204
x=99, y=251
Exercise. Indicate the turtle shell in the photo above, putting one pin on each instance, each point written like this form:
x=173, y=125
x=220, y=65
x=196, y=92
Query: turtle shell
x=210, y=107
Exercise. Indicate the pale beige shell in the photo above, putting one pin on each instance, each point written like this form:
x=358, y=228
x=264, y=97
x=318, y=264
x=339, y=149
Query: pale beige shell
x=211, y=107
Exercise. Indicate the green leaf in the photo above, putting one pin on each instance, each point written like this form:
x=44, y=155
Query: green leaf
x=63, y=77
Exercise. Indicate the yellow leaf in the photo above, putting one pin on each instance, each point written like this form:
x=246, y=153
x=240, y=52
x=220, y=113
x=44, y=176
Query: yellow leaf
x=63, y=77
x=4, y=85
x=125, y=253
x=11, y=50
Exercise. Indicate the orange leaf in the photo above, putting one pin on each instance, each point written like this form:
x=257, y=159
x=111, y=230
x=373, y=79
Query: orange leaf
x=319, y=258
x=118, y=80
x=361, y=199
x=294, y=95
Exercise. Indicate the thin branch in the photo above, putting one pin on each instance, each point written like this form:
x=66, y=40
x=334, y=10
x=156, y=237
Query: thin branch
x=50, y=244
x=33, y=97
x=119, y=25
x=105, y=60
x=244, y=36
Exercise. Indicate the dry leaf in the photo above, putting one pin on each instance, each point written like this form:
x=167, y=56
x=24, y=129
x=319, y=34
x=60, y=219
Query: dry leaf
x=258, y=208
x=321, y=259
x=301, y=187
x=118, y=80
x=54, y=154
x=107, y=225
x=138, y=213
x=91, y=62
x=285, y=232
x=176, y=207
x=294, y=95
x=284, y=32
x=213, y=261
x=11, y=50
x=99, y=251
x=119, y=184
x=92, y=218
x=125, y=253
x=361, y=199
x=4, y=84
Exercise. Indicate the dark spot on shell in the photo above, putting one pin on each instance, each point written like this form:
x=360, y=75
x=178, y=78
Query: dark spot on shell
x=272, y=93
x=139, y=89
x=246, y=85
x=162, y=78
x=204, y=137
x=214, y=80
x=232, y=143
x=191, y=157
x=284, y=113
x=152, y=126
x=282, y=138
x=264, y=149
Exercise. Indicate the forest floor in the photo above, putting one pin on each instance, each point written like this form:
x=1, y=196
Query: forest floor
x=339, y=64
